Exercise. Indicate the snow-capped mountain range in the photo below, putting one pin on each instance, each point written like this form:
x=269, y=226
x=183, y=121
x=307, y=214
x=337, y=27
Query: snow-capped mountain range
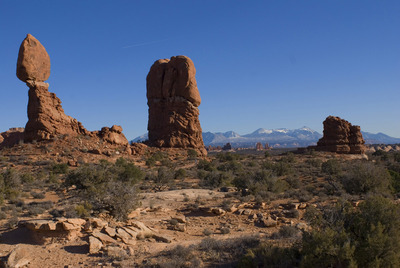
x=278, y=138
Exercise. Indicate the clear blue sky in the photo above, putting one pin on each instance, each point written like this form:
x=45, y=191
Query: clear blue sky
x=267, y=64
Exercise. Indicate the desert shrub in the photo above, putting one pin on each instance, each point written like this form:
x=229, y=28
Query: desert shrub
x=224, y=157
x=10, y=183
x=180, y=173
x=293, y=181
x=164, y=175
x=288, y=158
x=27, y=178
x=381, y=154
x=364, y=177
x=233, y=166
x=157, y=156
x=192, y=154
x=260, y=183
x=205, y=165
x=395, y=180
x=286, y=231
x=331, y=167
x=314, y=162
x=108, y=186
x=280, y=168
x=3, y=215
x=83, y=210
x=60, y=168
x=268, y=255
x=37, y=195
x=207, y=232
x=344, y=236
x=215, y=179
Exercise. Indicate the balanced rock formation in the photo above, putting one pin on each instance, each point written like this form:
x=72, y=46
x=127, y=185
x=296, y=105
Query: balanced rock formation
x=33, y=61
x=341, y=137
x=173, y=100
x=45, y=113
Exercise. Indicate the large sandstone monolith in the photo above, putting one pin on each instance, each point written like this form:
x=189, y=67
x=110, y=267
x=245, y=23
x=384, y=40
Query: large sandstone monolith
x=173, y=100
x=341, y=137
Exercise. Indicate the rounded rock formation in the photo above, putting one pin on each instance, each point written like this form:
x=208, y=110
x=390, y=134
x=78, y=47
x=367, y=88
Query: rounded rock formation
x=33, y=61
x=173, y=100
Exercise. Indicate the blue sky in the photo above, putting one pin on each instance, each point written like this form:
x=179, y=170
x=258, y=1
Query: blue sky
x=269, y=64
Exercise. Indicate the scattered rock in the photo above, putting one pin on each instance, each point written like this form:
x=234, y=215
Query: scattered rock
x=17, y=258
x=110, y=231
x=103, y=237
x=95, y=245
x=173, y=100
x=179, y=218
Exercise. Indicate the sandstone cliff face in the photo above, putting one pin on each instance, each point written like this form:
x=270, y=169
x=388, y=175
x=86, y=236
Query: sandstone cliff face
x=173, y=100
x=341, y=137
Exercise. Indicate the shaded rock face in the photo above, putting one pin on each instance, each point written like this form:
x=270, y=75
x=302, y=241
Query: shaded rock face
x=11, y=137
x=173, y=100
x=33, y=61
x=341, y=137
x=46, y=115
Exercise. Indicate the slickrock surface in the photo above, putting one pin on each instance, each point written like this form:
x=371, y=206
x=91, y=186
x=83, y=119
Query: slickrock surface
x=341, y=137
x=173, y=100
x=33, y=61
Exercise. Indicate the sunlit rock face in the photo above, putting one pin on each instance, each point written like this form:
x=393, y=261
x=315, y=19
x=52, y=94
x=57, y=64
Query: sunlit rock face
x=173, y=100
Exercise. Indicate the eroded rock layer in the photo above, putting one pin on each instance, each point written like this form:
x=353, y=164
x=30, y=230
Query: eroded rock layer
x=173, y=100
x=46, y=117
x=341, y=137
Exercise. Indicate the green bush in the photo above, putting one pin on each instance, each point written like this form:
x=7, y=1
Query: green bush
x=180, y=173
x=331, y=167
x=108, y=186
x=60, y=168
x=365, y=177
x=343, y=236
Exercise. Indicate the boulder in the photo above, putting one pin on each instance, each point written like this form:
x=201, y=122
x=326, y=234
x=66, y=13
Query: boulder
x=33, y=61
x=95, y=245
x=113, y=135
x=173, y=100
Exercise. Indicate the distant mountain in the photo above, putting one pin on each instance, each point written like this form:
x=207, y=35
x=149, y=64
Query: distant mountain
x=379, y=138
x=277, y=138
x=281, y=137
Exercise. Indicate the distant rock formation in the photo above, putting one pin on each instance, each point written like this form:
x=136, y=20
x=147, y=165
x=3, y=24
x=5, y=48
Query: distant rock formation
x=341, y=137
x=227, y=146
x=46, y=117
x=259, y=146
x=173, y=100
